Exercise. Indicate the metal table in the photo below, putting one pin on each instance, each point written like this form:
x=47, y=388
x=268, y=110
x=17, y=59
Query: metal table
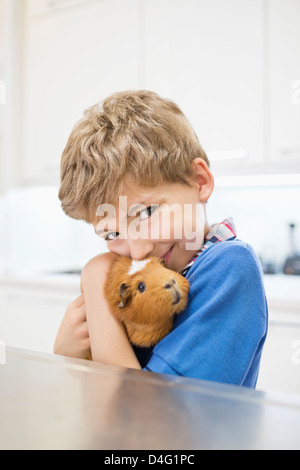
x=50, y=402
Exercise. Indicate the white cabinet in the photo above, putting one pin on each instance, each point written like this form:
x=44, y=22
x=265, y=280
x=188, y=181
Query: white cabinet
x=42, y=7
x=11, y=59
x=3, y=29
x=280, y=365
x=30, y=315
x=233, y=67
x=77, y=53
x=3, y=57
x=284, y=69
x=208, y=56
x=2, y=127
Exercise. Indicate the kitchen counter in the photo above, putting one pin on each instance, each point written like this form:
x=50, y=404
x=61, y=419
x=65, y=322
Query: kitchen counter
x=56, y=280
x=50, y=402
x=280, y=288
x=283, y=291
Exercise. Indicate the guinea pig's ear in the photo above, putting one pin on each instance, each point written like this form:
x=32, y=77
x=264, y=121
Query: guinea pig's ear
x=124, y=293
x=162, y=261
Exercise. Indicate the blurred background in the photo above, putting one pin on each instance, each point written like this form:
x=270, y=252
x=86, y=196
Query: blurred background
x=233, y=66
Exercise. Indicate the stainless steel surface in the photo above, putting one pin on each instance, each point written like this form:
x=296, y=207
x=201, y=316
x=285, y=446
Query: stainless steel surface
x=50, y=402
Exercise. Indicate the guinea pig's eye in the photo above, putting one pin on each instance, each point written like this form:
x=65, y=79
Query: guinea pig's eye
x=141, y=287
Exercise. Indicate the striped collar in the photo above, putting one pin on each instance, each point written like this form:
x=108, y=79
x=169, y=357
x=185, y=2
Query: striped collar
x=221, y=232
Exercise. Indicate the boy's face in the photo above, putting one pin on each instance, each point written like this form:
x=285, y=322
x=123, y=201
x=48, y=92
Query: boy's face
x=167, y=221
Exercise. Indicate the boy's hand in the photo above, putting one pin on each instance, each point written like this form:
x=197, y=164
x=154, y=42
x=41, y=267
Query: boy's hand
x=73, y=336
x=109, y=341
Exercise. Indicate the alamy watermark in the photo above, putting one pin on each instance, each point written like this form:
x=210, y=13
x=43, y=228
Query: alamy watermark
x=2, y=353
x=2, y=92
x=296, y=354
x=296, y=92
x=156, y=222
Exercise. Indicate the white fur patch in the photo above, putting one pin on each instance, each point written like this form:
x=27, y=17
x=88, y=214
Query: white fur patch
x=137, y=266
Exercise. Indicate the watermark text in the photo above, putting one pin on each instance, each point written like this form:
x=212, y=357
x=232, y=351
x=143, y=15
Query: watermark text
x=296, y=92
x=296, y=353
x=184, y=222
x=2, y=92
x=2, y=353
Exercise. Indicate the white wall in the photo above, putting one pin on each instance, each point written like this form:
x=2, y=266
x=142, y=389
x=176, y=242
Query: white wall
x=262, y=215
x=36, y=234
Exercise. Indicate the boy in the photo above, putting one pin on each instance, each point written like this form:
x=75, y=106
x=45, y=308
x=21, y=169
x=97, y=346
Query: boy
x=136, y=153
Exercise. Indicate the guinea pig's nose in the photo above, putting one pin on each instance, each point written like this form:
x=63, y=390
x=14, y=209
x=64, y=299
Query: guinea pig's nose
x=169, y=285
x=177, y=298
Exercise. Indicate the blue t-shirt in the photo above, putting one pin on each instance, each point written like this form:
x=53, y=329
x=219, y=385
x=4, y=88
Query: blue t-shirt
x=220, y=335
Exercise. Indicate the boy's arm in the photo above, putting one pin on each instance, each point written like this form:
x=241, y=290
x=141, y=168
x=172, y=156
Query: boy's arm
x=220, y=336
x=108, y=338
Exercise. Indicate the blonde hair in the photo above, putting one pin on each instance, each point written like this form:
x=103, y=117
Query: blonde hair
x=131, y=136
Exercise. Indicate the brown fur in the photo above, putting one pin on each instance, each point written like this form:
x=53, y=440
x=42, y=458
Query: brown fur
x=147, y=316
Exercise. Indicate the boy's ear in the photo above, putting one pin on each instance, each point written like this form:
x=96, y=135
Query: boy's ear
x=124, y=293
x=203, y=178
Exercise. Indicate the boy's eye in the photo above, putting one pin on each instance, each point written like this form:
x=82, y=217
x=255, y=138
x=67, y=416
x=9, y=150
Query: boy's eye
x=146, y=213
x=111, y=236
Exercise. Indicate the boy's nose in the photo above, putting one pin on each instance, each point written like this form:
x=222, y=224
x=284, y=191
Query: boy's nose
x=140, y=249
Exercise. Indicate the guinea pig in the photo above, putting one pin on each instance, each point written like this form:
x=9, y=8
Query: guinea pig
x=145, y=295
